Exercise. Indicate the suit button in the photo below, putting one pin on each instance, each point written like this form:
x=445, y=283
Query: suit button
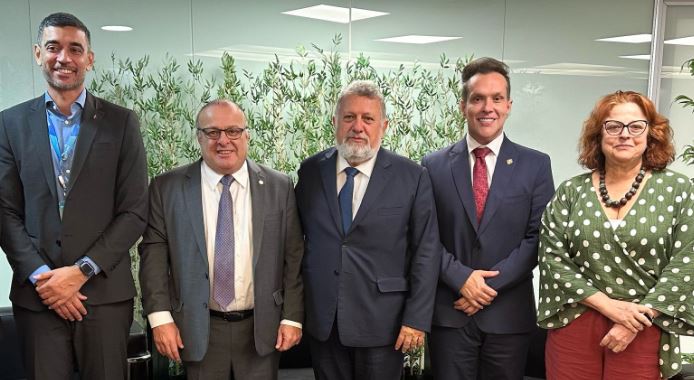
x=337, y=272
x=204, y=305
x=207, y=277
x=58, y=243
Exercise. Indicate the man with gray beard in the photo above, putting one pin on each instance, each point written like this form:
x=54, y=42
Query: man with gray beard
x=372, y=252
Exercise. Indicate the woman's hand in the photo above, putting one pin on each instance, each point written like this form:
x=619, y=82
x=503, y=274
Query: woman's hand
x=618, y=338
x=631, y=315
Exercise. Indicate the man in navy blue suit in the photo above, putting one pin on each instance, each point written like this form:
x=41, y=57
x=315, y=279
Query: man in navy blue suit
x=490, y=194
x=372, y=251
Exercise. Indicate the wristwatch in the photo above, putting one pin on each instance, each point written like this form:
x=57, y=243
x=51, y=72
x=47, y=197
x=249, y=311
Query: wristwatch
x=86, y=268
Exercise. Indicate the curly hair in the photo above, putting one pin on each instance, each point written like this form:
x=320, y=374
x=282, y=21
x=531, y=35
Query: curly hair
x=660, y=150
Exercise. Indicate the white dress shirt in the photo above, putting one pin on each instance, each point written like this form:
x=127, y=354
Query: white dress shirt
x=361, y=179
x=243, y=239
x=489, y=159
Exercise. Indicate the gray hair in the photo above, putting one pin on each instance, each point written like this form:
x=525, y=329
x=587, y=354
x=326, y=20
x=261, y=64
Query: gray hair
x=364, y=88
x=218, y=102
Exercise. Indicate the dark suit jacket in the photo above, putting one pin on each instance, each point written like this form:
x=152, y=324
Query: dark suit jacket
x=105, y=209
x=174, y=270
x=506, y=240
x=382, y=273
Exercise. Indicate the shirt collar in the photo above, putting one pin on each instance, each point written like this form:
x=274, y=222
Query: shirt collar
x=494, y=145
x=212, y=178
x=50, y=103
x=366, y=167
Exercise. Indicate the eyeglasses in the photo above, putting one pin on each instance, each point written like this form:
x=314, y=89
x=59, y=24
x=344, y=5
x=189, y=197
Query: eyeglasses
x=615, y=128
x=215, y=134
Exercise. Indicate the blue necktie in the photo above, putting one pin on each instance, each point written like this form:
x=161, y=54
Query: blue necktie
x=345, y=198
x=223, y=290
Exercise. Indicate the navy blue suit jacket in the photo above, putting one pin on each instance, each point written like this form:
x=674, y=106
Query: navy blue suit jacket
x=506, y=239
x=380, y=275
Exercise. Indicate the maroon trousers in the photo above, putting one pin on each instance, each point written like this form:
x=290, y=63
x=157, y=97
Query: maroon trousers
x=574, y=352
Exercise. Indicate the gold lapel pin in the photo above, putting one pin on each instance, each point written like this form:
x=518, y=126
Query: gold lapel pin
x=509, y=161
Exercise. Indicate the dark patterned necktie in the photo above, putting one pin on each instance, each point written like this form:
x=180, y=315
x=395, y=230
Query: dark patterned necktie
x=223, y=292
x=345, y=198
x=480, y=185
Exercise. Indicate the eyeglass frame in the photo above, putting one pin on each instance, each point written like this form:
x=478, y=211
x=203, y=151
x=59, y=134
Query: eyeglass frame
x=231, y=133
x=627, y=126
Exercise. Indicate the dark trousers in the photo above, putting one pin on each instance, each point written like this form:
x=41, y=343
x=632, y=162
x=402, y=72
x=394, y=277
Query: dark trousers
x=468, y=353
x=53, y=348
x=334, y=361
x=231, y=348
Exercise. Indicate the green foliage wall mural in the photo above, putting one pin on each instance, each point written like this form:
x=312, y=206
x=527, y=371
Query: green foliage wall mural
x=289, y=105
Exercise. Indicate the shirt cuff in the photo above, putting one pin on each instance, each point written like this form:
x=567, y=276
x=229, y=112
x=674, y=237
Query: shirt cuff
x=42, y=269
x=93, y=264
x=291, y=323
x=159, y=318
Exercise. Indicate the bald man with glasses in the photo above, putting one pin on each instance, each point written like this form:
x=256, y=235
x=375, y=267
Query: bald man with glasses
x=221, y=256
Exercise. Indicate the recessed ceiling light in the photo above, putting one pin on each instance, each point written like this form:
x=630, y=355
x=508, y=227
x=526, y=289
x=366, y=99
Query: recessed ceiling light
x=630, y=39
x=643, y=57
x=116, y=28
x=334, y=14
x=688, y=41
x=417, y=39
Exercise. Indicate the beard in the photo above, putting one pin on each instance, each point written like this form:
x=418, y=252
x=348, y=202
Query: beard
x=77, y=83
x=355, y=153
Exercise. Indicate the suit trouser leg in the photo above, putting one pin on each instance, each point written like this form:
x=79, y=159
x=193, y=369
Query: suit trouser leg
x=467, y=353
x=101, y=341
x=46, y=341
x=231, y=348
x=97, y=345
x=334, y=361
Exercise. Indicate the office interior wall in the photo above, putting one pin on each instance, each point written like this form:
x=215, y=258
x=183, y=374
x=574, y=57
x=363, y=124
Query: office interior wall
x=559, y=69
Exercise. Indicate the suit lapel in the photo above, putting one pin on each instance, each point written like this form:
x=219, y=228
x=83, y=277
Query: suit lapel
x=460, y=170
x=192, y=196
x=88, y=127
x=39, y=135
x=377, y=183
x=257, y=183
x=503, y=172
x=328, y=176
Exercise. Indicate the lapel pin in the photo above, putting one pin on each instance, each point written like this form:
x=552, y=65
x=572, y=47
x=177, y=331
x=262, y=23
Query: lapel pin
x=509, y=161
x=260, y=182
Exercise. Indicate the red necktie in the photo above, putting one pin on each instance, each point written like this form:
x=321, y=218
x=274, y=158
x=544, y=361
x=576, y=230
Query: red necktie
x=480, y=185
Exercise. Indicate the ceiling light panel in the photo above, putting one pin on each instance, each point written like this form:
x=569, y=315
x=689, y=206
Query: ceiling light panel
x=687, y=41
x=630, y=39
x=334, y=14
x=418, y=39
x=116, y=28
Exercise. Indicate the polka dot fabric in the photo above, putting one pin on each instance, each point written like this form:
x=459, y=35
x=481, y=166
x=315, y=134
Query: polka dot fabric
x=646, y=259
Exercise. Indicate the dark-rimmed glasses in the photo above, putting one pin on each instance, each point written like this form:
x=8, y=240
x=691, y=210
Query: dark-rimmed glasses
x=215, y=134
x=615, y=128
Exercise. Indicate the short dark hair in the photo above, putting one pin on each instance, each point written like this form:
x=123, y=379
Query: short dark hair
x=485, y=65
x=62, y=20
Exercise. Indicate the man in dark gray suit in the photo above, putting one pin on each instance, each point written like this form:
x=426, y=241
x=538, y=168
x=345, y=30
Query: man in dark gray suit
x=372, y=248
x=73, y=182
x=221, y=256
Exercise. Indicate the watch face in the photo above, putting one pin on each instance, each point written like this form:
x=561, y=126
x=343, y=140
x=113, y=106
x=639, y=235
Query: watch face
x=86, y=269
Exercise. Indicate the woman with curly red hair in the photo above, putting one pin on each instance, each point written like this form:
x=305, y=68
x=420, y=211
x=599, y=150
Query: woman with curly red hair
x=615, y=249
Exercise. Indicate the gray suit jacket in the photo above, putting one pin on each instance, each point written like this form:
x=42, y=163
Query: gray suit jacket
x=174, y=270
x=105, y=209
